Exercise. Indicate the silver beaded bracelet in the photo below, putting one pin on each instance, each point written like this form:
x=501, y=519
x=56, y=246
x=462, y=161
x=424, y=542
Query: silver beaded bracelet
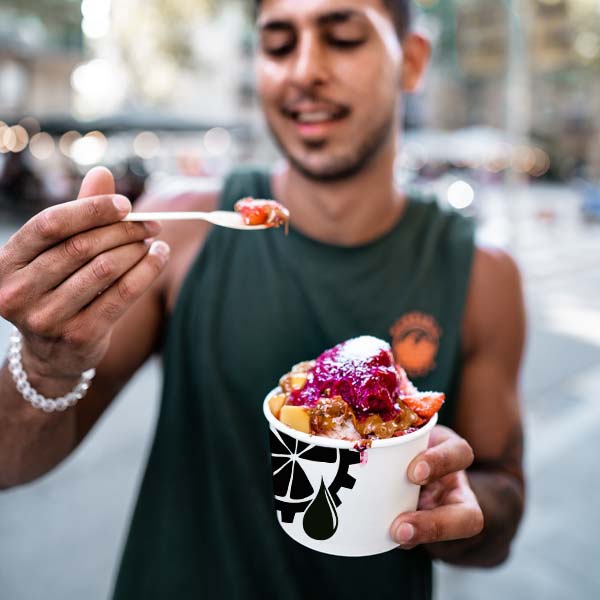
x=15, y=366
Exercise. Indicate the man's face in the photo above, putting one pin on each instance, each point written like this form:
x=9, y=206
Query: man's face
x=328, y=74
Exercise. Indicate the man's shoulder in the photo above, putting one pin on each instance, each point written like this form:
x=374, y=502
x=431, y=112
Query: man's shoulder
x=494, y=262
x=494, y=268
x=495, y=297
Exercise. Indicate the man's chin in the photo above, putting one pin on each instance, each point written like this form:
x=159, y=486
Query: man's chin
x=327, y=171
x=320, y=163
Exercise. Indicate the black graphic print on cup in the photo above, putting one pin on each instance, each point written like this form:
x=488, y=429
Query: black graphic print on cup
x=293, y=490
x=321, y=519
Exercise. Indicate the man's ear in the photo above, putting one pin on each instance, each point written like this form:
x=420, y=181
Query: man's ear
x=417, y=52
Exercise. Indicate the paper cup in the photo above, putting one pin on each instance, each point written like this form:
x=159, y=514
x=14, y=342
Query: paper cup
x=328, y=500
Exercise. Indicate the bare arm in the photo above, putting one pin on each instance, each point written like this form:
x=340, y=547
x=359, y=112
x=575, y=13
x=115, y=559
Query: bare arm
x=469, y=517
x=66, y=279
x=489, y=415
x=33, y=442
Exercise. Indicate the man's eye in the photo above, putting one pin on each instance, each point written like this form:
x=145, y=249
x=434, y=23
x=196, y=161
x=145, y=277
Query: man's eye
x=345, y=43
x=281, y=50
x=278, y=43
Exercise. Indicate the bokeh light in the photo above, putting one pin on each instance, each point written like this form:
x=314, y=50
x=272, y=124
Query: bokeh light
x=90, y=149
x=217, y=141
x=523, y=160
x=91, y=77
x=15, y=139
x=96, y=18
x=42, y=146
x=542, y=163
x=67, y=140
x=95, y=29
x=99, y=86
x=460, y=195
x=146, y=145
x=3, y=128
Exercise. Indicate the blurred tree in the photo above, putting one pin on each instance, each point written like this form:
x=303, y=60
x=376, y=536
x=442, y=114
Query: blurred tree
x=156, y=40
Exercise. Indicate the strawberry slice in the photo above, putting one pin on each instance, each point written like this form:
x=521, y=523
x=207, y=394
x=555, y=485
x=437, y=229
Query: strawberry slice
x=425, y=404
x=262, y=212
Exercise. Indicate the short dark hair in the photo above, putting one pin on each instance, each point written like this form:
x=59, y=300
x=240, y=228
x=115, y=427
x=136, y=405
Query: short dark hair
x=400, y=9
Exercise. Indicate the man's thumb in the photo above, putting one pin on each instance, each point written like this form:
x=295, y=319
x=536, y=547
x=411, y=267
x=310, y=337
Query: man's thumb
x=97, y=182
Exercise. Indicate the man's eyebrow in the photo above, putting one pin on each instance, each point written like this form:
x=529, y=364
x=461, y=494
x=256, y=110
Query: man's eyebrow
x=330, y=18
x=275, y=25
x=339, y=16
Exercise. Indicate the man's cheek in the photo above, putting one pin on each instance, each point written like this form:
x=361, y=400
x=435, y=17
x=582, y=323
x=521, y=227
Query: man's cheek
x=269, y=74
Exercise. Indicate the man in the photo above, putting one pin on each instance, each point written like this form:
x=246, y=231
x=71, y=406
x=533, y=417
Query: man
x=233, y=311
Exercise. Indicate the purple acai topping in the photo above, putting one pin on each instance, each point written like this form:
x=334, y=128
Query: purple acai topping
x=361, y=371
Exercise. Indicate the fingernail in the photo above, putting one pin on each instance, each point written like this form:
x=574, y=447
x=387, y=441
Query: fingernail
x=404, y=533
x=159, y=248
x=421, y=472
x=121, y=203
x=152, y=227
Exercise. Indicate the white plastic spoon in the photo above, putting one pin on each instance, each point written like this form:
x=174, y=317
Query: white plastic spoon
x=223, y=218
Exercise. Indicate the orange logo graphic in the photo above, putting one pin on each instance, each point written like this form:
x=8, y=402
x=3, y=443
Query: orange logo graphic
x=415, y=340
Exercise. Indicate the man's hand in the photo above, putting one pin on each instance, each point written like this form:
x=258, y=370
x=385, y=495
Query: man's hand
x=70, y=273
x=448, y=508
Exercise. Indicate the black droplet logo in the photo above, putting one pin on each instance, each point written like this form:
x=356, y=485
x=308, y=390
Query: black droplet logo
x=320, y=519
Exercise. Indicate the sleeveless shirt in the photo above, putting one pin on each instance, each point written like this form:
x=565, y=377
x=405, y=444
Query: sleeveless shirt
x=252, y=305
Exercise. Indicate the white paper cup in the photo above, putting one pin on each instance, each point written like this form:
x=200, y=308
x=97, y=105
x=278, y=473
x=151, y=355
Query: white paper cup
x=329, y=501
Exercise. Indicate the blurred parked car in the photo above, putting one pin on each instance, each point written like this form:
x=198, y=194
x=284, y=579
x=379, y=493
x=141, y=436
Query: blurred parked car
x=590, y=205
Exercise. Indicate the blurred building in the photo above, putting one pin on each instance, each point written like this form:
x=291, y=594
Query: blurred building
x=39, y=48
x=527, y=67
x=533, y=57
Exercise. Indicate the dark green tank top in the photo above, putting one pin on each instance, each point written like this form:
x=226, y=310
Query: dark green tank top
x=252, y=305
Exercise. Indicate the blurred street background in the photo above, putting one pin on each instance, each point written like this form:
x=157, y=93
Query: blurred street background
x=506, y=129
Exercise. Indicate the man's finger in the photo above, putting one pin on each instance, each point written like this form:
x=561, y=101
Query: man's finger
x=450, y=455
x=98, y=181
x=99, y=274
x=454, y=522
x=116, y=300
x=63, y=221
x=53, y=267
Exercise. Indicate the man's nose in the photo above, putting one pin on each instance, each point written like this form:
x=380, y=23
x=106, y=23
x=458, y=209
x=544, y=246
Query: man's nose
x=310, y=64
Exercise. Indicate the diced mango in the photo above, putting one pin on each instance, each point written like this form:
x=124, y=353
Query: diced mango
x=303, y=367
x=292, y=381
x=275, y=404
x=285, y=383
x=296, y=417
x=298, y=380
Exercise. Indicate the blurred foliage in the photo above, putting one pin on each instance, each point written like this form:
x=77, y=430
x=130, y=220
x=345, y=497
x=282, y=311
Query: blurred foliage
x=156, y=40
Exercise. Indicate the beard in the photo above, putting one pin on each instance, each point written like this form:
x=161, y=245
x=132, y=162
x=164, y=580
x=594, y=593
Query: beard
x=347, y=164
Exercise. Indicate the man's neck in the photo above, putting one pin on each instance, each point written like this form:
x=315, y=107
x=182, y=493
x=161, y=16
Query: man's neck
x=350, y=212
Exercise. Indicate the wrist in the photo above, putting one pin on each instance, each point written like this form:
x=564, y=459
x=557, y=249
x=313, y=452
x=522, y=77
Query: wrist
x=43, y=378
x=30, y=393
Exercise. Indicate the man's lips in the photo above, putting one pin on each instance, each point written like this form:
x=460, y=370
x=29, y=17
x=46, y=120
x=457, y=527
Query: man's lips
x=314, y=120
